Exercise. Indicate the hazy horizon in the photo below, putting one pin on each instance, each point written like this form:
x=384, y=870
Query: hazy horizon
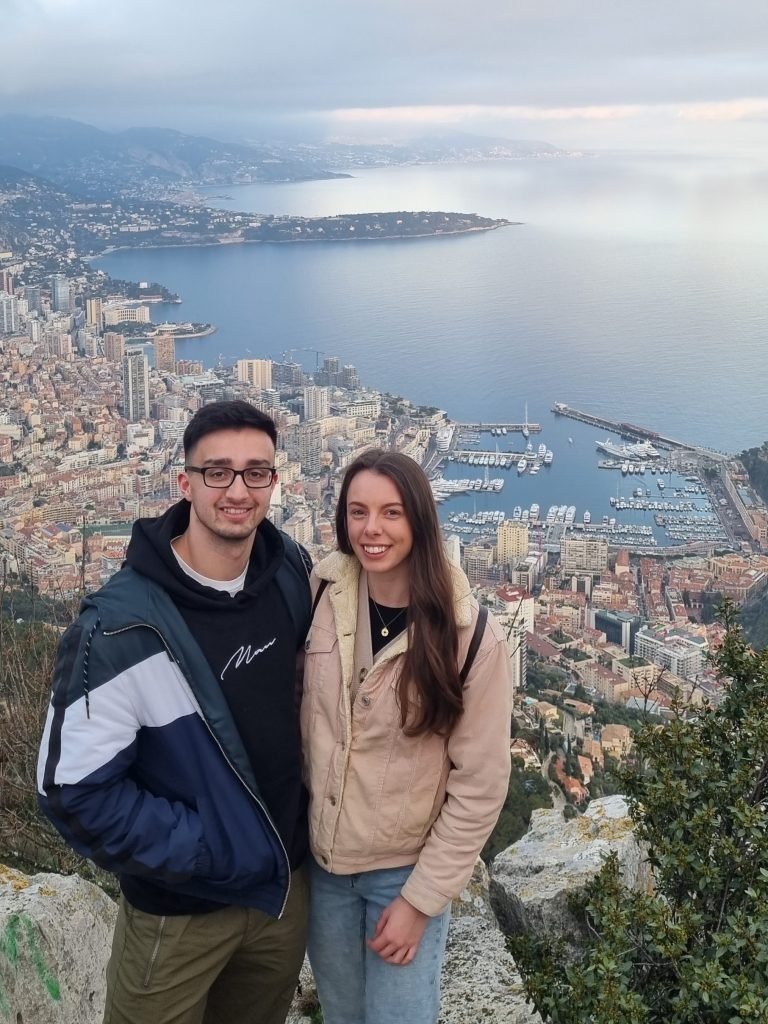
x=691, y=76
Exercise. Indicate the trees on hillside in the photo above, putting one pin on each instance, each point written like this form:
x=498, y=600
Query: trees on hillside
x=694, y=951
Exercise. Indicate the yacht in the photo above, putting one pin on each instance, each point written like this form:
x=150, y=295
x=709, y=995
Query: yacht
x=548, y=457
x=570, y=513
x=534, y=469
x=535, y=509
x=517, y=511
x=551, y=513
x=504, y=431
x=525, y=516
x=521, y=466
x=587, y=517
x=542, y=450
x=526, y=432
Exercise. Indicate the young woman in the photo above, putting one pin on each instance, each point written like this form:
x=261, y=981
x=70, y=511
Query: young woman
x=407, y=753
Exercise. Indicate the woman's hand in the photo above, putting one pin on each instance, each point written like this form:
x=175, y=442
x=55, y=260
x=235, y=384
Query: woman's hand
x=398, y=932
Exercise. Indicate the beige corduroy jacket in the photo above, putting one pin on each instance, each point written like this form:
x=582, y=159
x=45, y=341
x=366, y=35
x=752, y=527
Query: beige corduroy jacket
x=378, y=798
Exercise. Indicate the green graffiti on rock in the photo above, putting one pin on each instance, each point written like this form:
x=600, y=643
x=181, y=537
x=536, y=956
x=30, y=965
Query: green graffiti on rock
x=20, y=939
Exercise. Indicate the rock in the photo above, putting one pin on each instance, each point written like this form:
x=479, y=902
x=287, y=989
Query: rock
x=55, y=938
x=533, y=880
x=480, y=979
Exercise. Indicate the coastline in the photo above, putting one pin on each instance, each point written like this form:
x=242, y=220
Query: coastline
x=301, y=241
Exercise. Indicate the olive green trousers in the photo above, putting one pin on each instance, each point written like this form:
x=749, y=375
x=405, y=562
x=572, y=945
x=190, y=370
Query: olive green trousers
x=234, y=966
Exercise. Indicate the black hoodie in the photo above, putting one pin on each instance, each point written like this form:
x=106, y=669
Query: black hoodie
x=250, y=641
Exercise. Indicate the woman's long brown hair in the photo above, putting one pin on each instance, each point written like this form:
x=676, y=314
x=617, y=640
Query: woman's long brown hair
x=430, y=667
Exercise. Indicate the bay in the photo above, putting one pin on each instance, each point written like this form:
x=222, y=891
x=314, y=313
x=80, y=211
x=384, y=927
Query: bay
x=634, y=289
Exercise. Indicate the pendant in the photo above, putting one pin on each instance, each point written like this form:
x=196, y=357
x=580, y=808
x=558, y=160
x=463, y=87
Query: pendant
x=385, y=632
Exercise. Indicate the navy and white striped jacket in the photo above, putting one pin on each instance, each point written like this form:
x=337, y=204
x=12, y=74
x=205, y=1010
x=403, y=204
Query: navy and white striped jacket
x=141, y=766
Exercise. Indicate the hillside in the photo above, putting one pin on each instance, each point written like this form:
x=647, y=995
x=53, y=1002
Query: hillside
x=90, y=161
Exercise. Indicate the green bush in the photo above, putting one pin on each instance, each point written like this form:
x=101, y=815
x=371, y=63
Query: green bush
x=695, y=950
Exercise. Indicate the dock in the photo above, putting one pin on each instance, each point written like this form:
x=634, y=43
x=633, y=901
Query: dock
x=632, y=432
x=511, y=428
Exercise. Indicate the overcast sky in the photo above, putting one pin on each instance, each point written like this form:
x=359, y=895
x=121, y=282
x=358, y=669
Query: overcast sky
x=577, y=73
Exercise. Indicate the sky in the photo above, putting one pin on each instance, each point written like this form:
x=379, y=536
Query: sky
x=678, y=74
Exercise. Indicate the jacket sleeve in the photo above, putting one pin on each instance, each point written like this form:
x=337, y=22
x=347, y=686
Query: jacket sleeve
x=480, y=764
x=83, y=775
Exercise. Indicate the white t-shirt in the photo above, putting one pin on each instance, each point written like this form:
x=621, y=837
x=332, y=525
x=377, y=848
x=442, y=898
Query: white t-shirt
x=230, y=587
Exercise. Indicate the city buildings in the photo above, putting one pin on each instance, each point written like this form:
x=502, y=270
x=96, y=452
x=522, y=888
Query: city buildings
x=165, y=352
x=135, y=386
x=257, y=372
x=9, y=316
x=583, y=554
x=678, y=650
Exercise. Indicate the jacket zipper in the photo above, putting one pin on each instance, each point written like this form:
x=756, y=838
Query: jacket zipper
x=235, y=772
x=155, y=951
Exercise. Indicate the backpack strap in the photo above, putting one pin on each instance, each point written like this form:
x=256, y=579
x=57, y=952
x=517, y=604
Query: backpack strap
x=318, y=595
x=293, y=579
x=474, y=643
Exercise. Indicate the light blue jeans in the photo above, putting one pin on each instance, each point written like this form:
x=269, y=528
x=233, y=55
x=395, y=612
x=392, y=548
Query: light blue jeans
x=356, y=986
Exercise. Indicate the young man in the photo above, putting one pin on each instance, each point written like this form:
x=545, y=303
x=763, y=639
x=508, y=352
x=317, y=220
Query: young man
x=171, y=750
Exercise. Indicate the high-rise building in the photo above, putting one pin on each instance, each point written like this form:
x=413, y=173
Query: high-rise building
x=93, y=314
x=511, y=542
x=165, y=352
x=257, y=372
x=317, y=403
x=32, y=293
x=287, y=374
x=477, y=563
x=61, y=294
x=350, y=379
x=114, y=346
x=6, y=281
x=135, y=386
x=583, y=554
x=9, y=315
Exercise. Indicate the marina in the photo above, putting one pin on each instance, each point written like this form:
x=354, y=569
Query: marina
x=663, y=505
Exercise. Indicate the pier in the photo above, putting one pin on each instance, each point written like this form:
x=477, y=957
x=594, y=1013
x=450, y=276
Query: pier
x=511, y=428
x=635, y=433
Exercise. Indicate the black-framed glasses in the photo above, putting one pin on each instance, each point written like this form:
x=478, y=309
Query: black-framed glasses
x=222, y=477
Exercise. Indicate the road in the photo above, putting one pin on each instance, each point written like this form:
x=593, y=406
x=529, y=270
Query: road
x=558, y=797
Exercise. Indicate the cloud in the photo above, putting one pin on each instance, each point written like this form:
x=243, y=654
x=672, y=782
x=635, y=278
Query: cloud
x=190, y=63
x=754, y=109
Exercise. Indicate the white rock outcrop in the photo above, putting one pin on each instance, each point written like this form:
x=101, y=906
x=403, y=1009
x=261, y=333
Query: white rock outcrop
x=534, y=879
x=55, y=938
x=480, y=979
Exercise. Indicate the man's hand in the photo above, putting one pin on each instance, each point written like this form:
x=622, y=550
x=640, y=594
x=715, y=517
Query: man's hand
x=398, y=932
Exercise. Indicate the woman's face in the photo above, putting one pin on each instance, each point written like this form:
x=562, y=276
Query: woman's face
x=377, y=525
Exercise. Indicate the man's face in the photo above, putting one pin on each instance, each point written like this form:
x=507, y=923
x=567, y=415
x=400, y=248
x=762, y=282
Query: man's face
x=233, y=513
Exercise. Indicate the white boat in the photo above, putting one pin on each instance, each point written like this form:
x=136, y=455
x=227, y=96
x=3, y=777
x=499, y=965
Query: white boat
x=570, y=440
x=525, y=516
x=587, y=517
x=504, y=431
x=526, y=432
x=517, y=511
x=551, y=513
x=625, y=468
x=521, y=466
x=570, y=513
x=534, y=469
x=548, y=457
x=542, y=450
x=535, y=509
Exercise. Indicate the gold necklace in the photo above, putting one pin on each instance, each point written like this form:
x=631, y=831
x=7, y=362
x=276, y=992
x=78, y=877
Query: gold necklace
x=385, y=625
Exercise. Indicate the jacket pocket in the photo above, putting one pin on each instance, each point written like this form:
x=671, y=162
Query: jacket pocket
x=319, y=656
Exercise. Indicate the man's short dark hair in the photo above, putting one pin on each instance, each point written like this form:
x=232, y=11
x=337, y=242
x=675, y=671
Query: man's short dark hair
x=234, y=415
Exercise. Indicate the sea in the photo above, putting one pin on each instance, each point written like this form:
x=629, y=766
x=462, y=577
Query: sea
x=632, y=286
